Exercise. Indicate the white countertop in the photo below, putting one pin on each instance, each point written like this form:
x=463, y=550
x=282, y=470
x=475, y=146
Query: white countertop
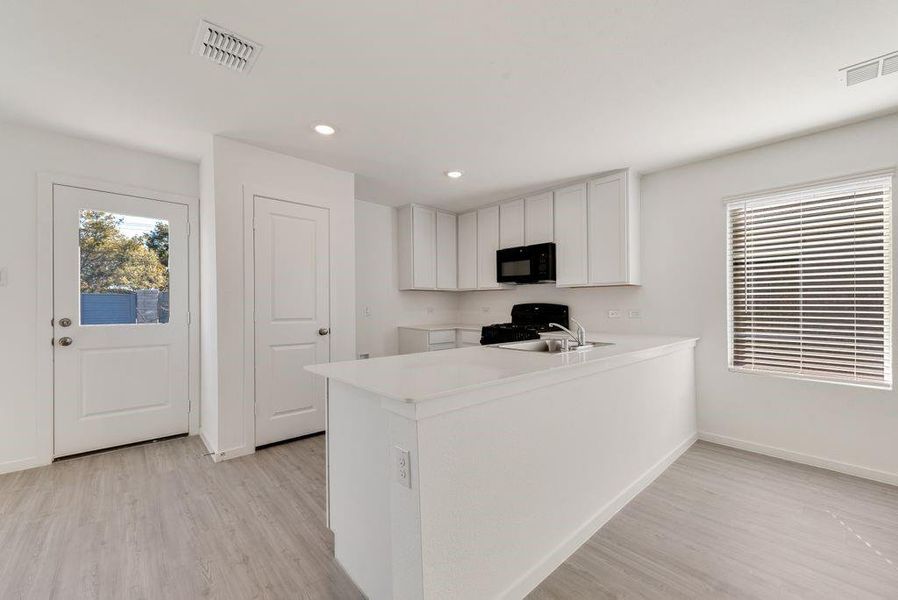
x=415, y=378
x=467, y=327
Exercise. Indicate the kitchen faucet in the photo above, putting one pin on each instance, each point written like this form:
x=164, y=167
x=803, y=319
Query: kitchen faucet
x=580, y=336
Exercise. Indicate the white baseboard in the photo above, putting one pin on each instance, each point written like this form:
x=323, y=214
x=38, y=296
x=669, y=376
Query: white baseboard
x=211, y=450
x=22, y=464
x=805, y=459
x=220, y=455
x=532, y=578
x=230, y=453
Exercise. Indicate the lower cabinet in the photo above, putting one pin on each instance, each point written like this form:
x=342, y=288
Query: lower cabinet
x=413, y=339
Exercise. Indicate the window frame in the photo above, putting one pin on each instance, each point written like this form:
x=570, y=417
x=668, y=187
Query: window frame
x=888, y=293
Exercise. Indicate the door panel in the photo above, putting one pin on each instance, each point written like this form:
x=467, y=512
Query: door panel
x=424, y=238
x=292, y=309
x=571, y=235
x=467, y=251
x=511, y=224
x=447, y=251
x=606, y=230
x=487, y=245
x=120, y=319
x=539, y=217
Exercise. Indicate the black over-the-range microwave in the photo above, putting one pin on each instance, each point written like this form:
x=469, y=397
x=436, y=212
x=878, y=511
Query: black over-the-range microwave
x=526, y=264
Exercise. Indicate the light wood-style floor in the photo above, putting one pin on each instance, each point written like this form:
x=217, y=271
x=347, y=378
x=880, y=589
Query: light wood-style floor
x=161, y=521
x=722, y=523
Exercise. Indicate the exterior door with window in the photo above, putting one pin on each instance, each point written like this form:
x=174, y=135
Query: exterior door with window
x=292, y=317
x=120, y=319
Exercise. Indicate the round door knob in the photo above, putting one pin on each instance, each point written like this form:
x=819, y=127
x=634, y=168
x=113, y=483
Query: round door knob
x=324, y=331
x=65, y=322
x=65, y=341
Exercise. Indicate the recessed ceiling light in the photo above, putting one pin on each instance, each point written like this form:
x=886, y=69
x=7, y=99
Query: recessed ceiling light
x=454, y=174
x=324, y=129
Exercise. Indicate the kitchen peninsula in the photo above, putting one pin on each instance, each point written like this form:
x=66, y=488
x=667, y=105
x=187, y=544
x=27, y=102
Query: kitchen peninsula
x=475, y=472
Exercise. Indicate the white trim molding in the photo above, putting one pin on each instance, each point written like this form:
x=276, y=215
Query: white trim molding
x=801, y=458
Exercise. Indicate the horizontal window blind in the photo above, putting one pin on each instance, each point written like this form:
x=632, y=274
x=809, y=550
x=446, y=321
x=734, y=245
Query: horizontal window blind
x=810, y=282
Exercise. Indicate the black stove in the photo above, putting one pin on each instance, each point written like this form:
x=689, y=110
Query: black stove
x=527, y=322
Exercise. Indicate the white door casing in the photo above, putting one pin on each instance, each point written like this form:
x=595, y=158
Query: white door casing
x=123, y=382
x=292, y=317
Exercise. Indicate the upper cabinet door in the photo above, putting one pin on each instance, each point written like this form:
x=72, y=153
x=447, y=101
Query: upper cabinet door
x=487, y=245
x=447, y=251
x=511, y=224
x=424, y=247
x=607, y=230
x=571, y=235
x=467, y=251
x=539, y=219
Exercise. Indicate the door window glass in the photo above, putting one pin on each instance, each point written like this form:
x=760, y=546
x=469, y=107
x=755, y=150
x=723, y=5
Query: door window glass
x=124, y=269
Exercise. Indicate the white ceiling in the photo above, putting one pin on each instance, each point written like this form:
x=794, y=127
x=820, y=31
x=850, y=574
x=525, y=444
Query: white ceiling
x=517, y=93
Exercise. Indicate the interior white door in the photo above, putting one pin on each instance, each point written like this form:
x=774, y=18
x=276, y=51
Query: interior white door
x=292, y=317
x=120, y=319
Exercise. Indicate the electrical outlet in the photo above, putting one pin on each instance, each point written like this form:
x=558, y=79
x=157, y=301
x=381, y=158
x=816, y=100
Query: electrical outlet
x=614, y=314
x=635, y=314
x=485, y=309
x=3, y=277
x=364, y=355
x=367, y=311
x=402, y=462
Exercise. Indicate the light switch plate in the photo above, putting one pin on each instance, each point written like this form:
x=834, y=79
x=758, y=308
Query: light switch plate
x=635, y=314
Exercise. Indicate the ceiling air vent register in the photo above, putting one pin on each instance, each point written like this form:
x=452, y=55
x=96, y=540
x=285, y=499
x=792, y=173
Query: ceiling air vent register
x=225, y=48
x=870, y=69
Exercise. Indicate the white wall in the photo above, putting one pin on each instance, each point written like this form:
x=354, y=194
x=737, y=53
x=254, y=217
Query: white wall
x=208, y=304
x=377, y=286
x=25, y=152
x=684, y=291
x=238, y=166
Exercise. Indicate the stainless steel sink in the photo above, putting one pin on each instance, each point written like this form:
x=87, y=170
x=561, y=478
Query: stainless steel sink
x=549, y=346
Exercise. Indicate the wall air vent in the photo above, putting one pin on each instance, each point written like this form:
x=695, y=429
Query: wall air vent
x=225, y=48
x=870, y=69
x=890, y=64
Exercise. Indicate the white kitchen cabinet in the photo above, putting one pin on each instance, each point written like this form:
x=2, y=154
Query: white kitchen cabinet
x=427, y=249
x=424, y=267
x=447, y=251
x=487, y=244
x=412, y=340
x=467, y=251
x=613, y=234
x=539, y=219
x=431, y=338
x=511, y=224
x=594, y=224
x=571, y=248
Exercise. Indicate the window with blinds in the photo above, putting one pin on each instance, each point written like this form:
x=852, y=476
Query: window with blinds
x=810, y=275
